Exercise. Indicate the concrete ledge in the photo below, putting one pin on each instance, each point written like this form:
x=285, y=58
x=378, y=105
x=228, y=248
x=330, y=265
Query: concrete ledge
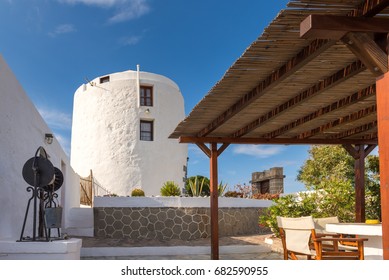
x=81, y=217
x=69, y=249
x=170, y=250
x=184, y=202
x=80, y=222
x=79, y=231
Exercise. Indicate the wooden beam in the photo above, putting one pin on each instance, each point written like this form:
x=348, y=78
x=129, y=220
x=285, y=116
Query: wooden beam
x=340, y=104
x=204, y=148
x=207, y=151
x=356, y=130
x=364, y=47
x=335, y=27
x=369, y=149
x=274, y=141
x=383, y=143
x=370, y=8
x=214, y=203
x=327, y=83
x=351, y=150
x=222, y=148
x=310, y=52
x=341, y=121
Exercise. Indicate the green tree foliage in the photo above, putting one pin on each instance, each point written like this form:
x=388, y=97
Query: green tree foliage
x=326, y=163
x=373, y=195
x=170, y=188
x=328, y=175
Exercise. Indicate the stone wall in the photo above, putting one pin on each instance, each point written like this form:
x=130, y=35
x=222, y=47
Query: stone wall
x=164, y=223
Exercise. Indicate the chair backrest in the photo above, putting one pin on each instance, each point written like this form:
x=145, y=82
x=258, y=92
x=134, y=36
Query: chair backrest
x=297, y=233
x=320, y=223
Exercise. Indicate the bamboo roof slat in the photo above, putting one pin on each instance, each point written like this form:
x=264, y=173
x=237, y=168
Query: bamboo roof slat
x=281, y=79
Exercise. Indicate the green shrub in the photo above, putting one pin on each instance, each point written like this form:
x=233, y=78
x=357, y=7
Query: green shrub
x=336, y=201
x=170, y=188
x=137, y=192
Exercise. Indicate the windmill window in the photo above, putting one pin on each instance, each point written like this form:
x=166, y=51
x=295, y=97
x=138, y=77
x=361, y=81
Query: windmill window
x=146, y=130
x=146, y=96
x=104, y=79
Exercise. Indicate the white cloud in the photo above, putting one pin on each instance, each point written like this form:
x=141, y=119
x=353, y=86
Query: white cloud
x=135, y=9
x=102, y=3
x=124, y=9
x=62, y=29
x=259, y=151
x=56, y=119
x=130, y=41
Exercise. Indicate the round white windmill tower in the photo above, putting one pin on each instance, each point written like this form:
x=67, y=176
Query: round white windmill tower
x=121, y=124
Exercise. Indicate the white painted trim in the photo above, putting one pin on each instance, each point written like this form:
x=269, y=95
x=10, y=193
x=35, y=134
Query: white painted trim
x=224, y=202
x=170, y=250
x=54, y=250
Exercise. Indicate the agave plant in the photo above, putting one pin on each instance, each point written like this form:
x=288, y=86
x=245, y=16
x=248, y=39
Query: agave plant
x=221, y=188
x=196, y=186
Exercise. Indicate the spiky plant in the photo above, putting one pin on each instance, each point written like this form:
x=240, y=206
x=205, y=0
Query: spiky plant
x=170, y=188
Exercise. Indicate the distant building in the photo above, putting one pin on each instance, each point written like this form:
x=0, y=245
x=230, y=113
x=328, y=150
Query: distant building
x=121, y=124
x=269, y=181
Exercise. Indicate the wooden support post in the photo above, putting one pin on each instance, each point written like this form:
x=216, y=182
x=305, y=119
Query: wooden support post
x=383, y=144
x=359, y=153
x=214, y=203
x=213, y=152
x=359, y=169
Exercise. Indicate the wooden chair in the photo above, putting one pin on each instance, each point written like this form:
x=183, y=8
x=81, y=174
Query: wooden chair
x=320, y=227
x=299, y=240
x=320, y=224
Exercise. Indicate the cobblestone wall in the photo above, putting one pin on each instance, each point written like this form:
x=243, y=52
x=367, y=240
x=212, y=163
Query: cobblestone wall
x=166, y=223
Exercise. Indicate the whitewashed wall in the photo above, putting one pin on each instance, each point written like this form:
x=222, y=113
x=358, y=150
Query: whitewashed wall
x=106, y=133
x=22, y=131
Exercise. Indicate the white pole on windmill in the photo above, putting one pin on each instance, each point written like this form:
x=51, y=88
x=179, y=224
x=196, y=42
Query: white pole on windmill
x=138, y=83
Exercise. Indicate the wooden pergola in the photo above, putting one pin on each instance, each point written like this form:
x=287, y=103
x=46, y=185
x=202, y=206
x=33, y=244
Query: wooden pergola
x=318, y=74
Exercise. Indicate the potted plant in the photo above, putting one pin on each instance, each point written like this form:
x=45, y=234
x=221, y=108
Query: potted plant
x=372, y=216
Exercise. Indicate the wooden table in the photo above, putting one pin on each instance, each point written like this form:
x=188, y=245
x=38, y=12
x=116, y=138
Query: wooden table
x=372, y=247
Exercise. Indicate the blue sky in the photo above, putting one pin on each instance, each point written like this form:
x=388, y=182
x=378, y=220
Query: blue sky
x=53, y=46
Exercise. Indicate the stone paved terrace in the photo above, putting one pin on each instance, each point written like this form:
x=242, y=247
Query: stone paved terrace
x=247, y=247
